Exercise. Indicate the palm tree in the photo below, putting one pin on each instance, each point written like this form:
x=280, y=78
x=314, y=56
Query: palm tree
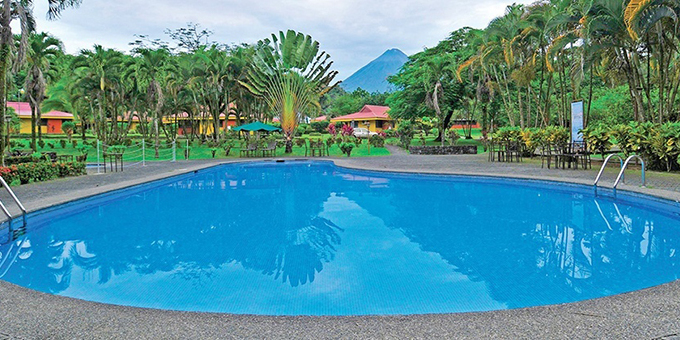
x=435, y=69
x=22, y=10
x=149, y=69
x=42, y=49
x=99, y=71
x=290, y=74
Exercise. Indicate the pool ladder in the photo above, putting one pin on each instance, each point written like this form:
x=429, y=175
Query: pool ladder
x=621, y=177
x=12, y=232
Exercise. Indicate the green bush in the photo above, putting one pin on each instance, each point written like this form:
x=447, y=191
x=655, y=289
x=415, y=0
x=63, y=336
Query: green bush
x=40, y=171
x=62, y=143
x=320, y=126
x=346, y=148
x=377, y=141
x=598, y=138
x=405, y=132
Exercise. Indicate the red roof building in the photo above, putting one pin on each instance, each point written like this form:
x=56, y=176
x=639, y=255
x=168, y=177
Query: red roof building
x=373, y=117
x=49, y=122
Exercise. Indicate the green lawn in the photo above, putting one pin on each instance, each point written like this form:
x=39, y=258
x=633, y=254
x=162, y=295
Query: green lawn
x=430, y=140
x=134, y=153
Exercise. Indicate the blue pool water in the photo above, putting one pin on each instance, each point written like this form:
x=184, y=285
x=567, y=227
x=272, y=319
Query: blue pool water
x=309, y=238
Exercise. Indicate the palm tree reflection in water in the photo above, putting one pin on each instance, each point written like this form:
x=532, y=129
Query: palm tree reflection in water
x=283, y=236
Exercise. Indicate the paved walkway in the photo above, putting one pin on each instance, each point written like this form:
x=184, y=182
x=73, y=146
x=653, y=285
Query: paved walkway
x=650, y=313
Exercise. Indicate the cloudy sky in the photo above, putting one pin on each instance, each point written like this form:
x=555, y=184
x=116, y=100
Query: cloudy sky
x=353, y=31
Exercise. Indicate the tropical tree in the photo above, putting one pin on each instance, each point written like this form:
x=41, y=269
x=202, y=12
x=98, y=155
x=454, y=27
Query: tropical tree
x=42, y=49
x=149, y=70
x=21, y=10
x=290, y=74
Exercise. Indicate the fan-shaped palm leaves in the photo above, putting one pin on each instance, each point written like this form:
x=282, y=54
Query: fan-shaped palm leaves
x=290, y=74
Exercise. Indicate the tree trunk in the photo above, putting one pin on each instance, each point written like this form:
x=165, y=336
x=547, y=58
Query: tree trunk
x=33, y=124
x=6, y=39
x=155, y=126
x=38, y=119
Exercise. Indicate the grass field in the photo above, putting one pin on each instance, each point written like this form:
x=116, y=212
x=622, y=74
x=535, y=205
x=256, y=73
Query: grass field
x=133, y=153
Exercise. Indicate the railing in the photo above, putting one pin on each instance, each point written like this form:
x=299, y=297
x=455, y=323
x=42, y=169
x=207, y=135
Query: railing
x=6, y=211
x=625, y=165
x=604, y=165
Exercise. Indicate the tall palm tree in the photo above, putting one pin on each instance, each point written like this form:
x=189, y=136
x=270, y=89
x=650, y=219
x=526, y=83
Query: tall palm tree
x=149, y=69
x=42, y=49
x=290, y=74
x=21, y=10
x=99, y=70
x=435, y=69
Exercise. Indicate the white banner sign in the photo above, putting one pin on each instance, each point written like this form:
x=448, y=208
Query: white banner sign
x=576, y=121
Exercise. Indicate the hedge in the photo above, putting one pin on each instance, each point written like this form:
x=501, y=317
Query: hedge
x=23, y=173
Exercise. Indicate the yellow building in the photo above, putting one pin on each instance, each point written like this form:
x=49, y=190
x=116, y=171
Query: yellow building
x=373, y=117
x=49, y=122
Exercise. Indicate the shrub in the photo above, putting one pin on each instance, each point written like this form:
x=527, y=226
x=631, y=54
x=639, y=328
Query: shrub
x=453, y=137
x=598, y=138
x=62, y=143
x=41, y=144
x=50, y=145
x=347, y=130
x=346, y=148
x=320, y=126
x=377, y=141
x=300, y=141
x=332, y=130
x=405, y=133
x=227, y=145
x=74, y=143
x=40, y=171
x=68, y=127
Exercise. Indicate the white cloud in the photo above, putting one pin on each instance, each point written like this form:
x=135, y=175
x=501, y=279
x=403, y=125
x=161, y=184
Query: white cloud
x=354, y=32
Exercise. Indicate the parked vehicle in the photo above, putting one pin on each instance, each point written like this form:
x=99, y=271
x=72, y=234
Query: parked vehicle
x=363, y=133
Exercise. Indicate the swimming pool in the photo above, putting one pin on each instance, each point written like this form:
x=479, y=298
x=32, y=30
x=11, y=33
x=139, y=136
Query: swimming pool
x=310, y=238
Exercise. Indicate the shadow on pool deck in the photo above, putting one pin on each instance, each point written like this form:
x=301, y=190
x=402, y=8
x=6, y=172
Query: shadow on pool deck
x=650, y=313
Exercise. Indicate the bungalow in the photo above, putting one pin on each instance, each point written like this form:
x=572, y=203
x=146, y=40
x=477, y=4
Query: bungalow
x=49, y=122
x=373, y=117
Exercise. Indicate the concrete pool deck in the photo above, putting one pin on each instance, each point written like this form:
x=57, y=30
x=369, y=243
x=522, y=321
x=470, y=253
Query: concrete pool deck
x=649, y=313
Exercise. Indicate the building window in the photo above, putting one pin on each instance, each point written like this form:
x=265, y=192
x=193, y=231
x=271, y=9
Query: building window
x=379, y=124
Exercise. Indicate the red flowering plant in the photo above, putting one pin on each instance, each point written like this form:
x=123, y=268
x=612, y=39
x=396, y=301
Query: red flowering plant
x=332, y=130
x=347, y=130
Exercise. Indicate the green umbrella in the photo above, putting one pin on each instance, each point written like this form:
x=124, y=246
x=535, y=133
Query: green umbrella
x=256, y=126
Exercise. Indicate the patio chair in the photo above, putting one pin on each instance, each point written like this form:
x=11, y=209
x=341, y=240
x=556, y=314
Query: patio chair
x=269, y=150
x=513, y=150
x=584, y=155
x=548, y=152
x=249, y=150
x=567, y=156
x=317, y=147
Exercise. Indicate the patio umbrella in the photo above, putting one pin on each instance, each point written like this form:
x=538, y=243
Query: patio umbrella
x=256, y=126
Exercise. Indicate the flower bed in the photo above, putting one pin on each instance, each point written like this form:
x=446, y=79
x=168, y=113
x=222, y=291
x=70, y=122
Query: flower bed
x=23, y=173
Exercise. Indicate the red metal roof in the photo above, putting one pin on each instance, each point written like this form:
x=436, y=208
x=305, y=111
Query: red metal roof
x=23, y=109
x=368, y=112
x=320, y=119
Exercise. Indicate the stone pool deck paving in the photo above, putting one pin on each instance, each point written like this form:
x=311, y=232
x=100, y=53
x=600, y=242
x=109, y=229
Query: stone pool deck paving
x=651, y=313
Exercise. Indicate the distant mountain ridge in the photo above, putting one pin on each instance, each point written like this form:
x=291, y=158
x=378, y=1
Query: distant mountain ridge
x=373, y=76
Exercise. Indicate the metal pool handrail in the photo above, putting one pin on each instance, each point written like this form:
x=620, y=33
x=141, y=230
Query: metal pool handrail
x=623, y=168
x=16, y=200
x=604, y=165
